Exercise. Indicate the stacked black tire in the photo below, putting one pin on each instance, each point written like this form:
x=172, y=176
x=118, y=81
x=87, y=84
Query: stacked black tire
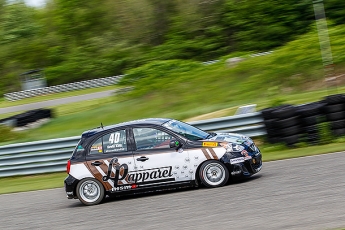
x=335, y=113
x=311, y=116
x=282, y=124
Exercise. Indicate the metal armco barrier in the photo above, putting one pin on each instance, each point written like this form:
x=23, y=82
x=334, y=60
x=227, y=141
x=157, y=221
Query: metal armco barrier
x=52, y=155
x=100, y=82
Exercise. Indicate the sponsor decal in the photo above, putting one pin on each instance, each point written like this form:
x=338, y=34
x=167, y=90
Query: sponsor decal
x=150, y=174
x=121, y=188
x=69, y=193
x=118, y=167
x=154, y=175
x=114, y=146
x=236, y=172
x=248, y=158
x=244, y=153
x=209, y=144
x=96, y=148
x=237, y=160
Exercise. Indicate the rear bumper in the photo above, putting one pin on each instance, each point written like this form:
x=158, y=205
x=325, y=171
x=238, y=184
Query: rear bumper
x=70, y=186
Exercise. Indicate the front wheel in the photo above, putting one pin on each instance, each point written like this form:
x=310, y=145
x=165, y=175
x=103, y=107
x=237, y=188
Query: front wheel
x=213, y=174
x=90, y=191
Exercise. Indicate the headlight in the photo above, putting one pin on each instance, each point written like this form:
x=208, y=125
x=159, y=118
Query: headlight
x=231, y=147
x=237, y=148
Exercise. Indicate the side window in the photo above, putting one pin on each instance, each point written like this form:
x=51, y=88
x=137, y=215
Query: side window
x=149, y=138
x=109, y=143
x=115, y=142
x=97, y=147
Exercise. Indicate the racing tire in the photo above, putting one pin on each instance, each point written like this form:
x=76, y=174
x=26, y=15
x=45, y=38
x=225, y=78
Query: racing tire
x=90, y=191
x=268, y=112
x=272, y=132
x=311, y=129
x=334, y=108
x=335, y=99
x=292, y=121
x=290, y=131
x=313, y=138
x=337, y=124
x=311, y=109
x=270, y=124
x=308, y=121
x=285, y=112
x=338, y=132
x=335, y=116
x=213, y=174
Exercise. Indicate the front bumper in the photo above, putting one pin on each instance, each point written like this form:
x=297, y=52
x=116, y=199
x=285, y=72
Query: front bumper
x=70, y=186
x=247, y=168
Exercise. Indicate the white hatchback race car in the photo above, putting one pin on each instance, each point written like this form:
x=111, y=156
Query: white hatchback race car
x=154, y=154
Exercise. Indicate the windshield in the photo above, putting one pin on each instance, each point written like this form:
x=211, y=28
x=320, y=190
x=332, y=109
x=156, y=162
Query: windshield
x=188, y=131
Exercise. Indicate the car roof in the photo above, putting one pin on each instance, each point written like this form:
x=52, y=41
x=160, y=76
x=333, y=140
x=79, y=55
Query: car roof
x=147, y=121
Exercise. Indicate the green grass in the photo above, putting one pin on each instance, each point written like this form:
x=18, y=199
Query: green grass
x=55, y=180
x=30, y=183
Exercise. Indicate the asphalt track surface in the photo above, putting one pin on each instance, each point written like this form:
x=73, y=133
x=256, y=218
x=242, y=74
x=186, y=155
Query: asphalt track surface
x=301, y=193
x=56, y=102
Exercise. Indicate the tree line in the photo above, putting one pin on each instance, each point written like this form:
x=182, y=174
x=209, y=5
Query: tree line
x=75, y=40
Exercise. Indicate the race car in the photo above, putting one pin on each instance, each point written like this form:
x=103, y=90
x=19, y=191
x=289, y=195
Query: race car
x=154, y=154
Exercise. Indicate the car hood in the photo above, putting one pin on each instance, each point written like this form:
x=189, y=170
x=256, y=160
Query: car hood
x=232, y=138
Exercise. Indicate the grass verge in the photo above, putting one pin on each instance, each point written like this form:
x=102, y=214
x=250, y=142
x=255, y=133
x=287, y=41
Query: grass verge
x=55, y=180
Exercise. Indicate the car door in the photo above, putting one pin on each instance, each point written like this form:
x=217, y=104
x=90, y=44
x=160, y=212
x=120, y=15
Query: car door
x=155, y=162
x=110, y=159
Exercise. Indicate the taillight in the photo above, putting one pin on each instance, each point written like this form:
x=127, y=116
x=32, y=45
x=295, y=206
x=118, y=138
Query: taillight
x=68, y=166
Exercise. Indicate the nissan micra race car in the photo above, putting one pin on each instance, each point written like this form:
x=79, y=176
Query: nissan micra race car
x=155, y=154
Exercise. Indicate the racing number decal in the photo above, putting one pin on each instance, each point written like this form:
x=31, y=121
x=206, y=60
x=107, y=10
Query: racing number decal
x=114, y=138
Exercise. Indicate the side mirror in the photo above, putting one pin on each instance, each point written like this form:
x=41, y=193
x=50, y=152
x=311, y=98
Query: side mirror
x=175, y=144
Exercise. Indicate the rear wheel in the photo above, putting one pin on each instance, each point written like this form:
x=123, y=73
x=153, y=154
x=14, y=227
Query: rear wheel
x=90, y=191
x=213, y=174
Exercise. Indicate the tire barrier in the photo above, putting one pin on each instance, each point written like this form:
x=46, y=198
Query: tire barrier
x=335, y=113
x=63, y=88
x=28, y=117
x=311, y=116
x=291, y=124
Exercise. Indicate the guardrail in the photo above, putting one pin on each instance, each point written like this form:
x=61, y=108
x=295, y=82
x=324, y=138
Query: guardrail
x=51, y=155
x=100, y=82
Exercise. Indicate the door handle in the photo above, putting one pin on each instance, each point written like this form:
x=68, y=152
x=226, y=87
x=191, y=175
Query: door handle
x=142, y=158
x=96, y=163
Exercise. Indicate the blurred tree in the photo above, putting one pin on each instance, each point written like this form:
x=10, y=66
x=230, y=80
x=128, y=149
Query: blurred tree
x=263, y=24
x=17, y=22
x=195, y=32
x=335, y=10
x=78, y=20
